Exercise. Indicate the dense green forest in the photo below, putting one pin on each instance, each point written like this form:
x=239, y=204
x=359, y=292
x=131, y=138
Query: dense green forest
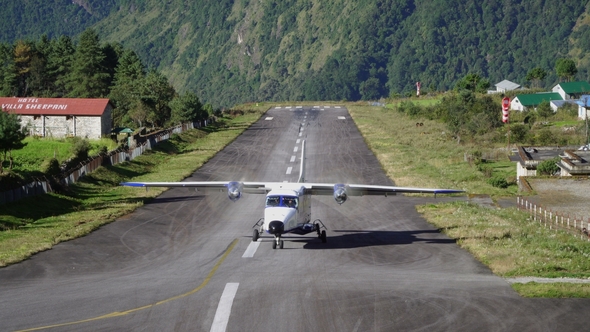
x=235, y=51
x=54, y=68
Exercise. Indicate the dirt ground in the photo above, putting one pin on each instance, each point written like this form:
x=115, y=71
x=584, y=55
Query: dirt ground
x=565, y=196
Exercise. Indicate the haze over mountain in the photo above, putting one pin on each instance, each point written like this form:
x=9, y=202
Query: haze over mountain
x=236, y=51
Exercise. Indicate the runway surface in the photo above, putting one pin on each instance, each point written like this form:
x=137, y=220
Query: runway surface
x=186, y=262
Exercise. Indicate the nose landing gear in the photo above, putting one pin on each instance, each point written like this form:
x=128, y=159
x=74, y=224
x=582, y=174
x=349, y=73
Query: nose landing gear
x=278, y=242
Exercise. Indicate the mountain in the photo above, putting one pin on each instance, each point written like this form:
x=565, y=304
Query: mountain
x=242, y=50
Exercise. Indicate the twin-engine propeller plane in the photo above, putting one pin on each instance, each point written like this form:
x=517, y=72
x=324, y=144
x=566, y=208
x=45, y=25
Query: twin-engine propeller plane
x=288, y=205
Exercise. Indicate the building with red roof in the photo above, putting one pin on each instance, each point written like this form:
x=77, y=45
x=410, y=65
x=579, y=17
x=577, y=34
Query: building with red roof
x=62, y=117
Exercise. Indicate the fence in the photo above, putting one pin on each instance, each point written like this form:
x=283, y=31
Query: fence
x=43, y=185
x=553, y=219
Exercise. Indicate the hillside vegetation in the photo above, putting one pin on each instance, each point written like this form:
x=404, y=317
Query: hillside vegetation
x=233, y=51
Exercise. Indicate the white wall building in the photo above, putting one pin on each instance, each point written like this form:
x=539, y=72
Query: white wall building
x=62, y=117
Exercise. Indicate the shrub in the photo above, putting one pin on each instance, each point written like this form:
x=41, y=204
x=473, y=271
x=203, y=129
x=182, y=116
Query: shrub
x=548, y=167
x=498, y=182
x=80, y=148
x=51, y=167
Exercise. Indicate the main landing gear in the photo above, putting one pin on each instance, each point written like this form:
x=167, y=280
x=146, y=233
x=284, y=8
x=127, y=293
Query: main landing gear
x=322, y=233
x=257, y=229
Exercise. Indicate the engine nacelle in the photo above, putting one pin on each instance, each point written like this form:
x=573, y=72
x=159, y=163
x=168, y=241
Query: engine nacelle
x=340, y=195
x=234, y=190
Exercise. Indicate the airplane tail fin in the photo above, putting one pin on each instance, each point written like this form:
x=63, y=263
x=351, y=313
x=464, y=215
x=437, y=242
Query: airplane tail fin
x=302, y=165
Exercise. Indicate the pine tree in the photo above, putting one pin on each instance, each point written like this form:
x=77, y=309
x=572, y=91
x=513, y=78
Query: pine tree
x=89, y=77
x=59, y=64
x=125, y=91
x=11, y=136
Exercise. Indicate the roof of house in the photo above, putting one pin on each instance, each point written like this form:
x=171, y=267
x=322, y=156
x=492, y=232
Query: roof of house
x=54, y=106
x=575, y=87
x=560, y=103
x=584, y=101
x=507, y=85
x=537, y=98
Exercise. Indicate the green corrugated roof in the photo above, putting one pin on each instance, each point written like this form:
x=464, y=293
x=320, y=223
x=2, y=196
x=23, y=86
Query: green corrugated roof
x=575, y=87
x=537, y=98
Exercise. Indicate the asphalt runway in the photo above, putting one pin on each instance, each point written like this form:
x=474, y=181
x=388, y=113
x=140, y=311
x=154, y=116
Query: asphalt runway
x=186, y=262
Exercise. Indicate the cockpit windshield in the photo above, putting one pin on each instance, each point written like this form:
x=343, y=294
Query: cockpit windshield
x=283, y=201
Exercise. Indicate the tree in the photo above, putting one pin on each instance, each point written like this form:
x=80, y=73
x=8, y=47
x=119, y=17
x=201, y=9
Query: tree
x=186, y=108
x=22, y=65
x=535, y=76
x=544, y=109
x=566, y=68
x=369, y=89
x=11, y=136
x=89, y=77
x=125, y=91
x=473, y=82
x=59, y=65
x=156, y=94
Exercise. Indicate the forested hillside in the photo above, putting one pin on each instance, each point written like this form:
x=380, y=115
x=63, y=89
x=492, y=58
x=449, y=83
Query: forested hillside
x=234, y=51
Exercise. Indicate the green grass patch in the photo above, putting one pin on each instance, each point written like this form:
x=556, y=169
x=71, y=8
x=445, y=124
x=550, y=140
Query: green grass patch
x=553, y=290
x=28, y=160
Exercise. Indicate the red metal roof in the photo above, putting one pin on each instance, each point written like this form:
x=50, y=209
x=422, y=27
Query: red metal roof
x=54, y=106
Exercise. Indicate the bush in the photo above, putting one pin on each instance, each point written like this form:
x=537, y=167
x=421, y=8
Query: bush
x=548, y=167
x=51, y=167
x=498, y=182
x=546, y=137
x=80, y=148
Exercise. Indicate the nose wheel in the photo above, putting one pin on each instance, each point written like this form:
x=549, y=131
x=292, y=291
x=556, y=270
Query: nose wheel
x=277, y=242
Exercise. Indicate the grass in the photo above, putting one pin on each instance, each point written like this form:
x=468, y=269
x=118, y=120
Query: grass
x=38, y=150
x=553, y=290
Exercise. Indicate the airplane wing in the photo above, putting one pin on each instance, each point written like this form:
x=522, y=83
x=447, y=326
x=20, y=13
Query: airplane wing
x=366, y=190
x=247, y=187
x=312, y=188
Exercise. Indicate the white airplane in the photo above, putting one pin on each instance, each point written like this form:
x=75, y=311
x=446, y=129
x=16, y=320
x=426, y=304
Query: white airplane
x=288, y=204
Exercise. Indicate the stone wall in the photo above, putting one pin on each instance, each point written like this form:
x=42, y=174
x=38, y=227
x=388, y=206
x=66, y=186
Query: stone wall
x=92, y=127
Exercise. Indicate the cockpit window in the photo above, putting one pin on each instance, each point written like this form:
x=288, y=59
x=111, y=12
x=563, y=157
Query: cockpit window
x=290, y=202
x=284, y=201
x=273, y=200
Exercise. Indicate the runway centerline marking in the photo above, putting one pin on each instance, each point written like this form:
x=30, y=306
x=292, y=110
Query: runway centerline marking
x=149, y=306
x=295, y=149
x=289, y=170
x=251, y=250
x=224, y=307
x=298, y=141
x=292, y=159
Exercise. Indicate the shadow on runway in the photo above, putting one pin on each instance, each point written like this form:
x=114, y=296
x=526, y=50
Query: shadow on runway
x=362, y=238
x=160, y=200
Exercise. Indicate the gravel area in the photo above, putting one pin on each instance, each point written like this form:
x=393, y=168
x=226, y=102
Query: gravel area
x=565, y=196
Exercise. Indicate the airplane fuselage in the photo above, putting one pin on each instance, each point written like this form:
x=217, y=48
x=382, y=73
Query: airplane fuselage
x=288, y=210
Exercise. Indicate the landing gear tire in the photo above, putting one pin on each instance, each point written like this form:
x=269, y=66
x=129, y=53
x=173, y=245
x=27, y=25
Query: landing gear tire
x=281, y=244
x=274, y=244
x=255, y=235
x=323, y=237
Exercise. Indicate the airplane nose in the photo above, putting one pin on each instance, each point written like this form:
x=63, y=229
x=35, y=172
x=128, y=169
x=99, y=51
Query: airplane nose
x=276, y=227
